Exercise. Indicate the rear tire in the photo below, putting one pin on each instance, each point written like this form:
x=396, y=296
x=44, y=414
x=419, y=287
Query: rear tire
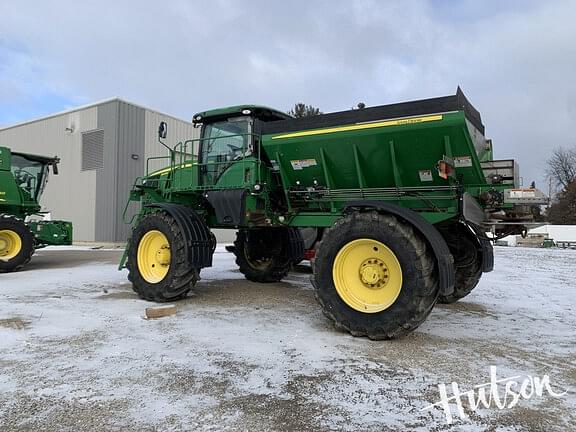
x=262, y=254
x=16, y=244
x=309, y=238
x=404, y=304
x=157, y=266
x=467, y=261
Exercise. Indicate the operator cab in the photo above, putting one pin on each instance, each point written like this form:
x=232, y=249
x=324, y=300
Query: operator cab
x=31, y=172
x=230, y=135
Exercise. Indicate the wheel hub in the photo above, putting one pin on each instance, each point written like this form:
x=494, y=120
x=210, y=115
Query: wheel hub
x=163, y=256
x=367, y=275
x=154, y=256
x=374, y=273
x=10, y=244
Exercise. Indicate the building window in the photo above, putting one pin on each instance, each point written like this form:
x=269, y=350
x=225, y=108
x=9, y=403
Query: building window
x=93, y=150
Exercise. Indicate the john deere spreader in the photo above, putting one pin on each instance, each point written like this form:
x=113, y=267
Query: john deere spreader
x=401, y=197
x=22, y=181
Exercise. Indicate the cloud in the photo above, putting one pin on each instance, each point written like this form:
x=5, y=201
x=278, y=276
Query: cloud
x=515, y=60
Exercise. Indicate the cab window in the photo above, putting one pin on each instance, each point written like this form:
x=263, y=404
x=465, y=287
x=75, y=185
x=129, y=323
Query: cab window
x=226, y=139
x=223, y=143
x=29, y=175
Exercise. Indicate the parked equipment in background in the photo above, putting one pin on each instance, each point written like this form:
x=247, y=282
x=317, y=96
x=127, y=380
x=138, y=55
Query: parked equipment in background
x=535, y=240
x=400, y=197
x=23, y=178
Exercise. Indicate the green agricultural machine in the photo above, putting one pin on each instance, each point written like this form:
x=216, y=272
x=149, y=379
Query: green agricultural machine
x=23, y=178
x=401, y=197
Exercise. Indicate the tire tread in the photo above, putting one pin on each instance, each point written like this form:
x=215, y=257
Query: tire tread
x=426, y=275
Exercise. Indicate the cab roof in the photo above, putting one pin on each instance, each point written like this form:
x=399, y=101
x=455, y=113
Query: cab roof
x=37, y=158
x=262, y=112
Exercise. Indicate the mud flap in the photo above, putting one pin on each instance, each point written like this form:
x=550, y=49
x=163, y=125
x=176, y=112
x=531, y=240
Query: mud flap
x=228, y=205
x=199, y=239
x=486, y=250
x=471, y=210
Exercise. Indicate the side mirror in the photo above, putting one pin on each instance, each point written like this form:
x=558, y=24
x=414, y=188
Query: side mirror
x=162, y=130
x=55, y=168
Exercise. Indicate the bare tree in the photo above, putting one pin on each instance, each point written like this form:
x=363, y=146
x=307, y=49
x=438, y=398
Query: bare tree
x=302, y=110
x=562, y=166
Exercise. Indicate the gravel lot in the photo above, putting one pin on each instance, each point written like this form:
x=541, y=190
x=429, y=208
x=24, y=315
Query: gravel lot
x=76, y=354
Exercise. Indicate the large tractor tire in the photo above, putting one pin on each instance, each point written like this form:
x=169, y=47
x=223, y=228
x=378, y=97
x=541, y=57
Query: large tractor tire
x=16, y=244
x=375, y=276
x=263, y=254
x=465, y=249
x=157, y=264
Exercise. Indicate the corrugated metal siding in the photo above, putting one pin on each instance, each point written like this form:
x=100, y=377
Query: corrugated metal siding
x=226, y=236
x=70, y=195
x=106, y=181
x=131, y=121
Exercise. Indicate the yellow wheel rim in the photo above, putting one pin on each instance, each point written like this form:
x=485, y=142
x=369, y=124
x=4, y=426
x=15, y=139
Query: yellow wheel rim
x=154, y=256
x=10, y=244
x=367, y=275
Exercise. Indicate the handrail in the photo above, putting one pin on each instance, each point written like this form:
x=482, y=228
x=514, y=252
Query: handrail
x=183, y=153
x=138, y=179
x=154, y=158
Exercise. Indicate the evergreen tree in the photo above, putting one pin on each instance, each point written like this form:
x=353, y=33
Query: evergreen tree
x=302, y=110
x=563, y=211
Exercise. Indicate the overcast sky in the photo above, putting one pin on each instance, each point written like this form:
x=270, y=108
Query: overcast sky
x=515, y=60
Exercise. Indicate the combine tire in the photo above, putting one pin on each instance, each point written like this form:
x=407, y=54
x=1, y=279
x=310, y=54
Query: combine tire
x=467, y=261
x=16, y=244
x=156, y=263
x=375, y=276
x=261, y=254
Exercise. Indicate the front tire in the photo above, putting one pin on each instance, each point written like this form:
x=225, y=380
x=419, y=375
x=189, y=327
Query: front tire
x=375, y=276
x=157, y=266
x=16, y=244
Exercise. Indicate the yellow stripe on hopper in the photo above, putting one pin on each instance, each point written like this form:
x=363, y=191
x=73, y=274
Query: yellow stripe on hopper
x=361, y=126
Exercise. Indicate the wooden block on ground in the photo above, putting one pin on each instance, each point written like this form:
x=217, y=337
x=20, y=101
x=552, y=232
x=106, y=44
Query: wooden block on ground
x=160, y=311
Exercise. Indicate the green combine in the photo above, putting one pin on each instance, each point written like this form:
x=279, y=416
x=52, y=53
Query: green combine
x=22, y=181
x=400, y=196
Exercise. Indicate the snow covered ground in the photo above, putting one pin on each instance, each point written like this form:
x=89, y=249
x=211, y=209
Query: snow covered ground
x=75, y=353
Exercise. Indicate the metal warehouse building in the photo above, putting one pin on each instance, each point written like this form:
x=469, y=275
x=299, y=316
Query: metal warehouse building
x=103, y=147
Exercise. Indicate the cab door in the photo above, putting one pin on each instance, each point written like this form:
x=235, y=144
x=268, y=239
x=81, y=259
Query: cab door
x=225, y=151
x=227, y=166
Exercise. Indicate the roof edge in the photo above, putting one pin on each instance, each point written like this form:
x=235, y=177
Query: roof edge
x=85, y=107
